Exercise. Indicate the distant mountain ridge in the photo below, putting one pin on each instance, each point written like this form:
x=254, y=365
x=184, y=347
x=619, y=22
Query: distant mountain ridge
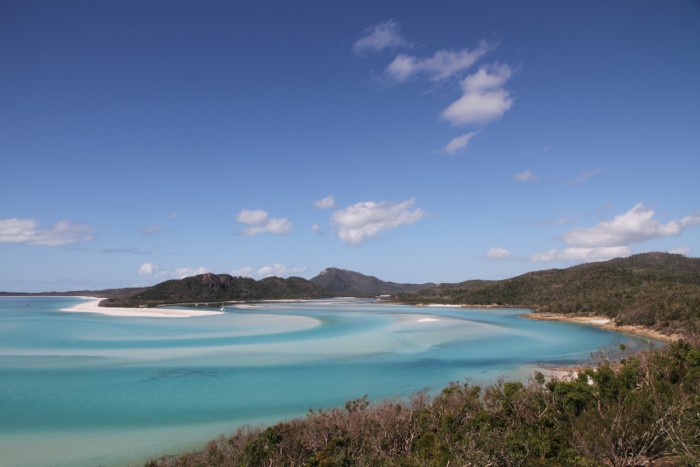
x=351, y=283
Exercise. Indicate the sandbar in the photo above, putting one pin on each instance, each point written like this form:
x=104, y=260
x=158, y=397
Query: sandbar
x=92, y=306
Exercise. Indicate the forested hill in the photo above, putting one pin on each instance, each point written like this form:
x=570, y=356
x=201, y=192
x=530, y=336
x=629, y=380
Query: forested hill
x=222, y=287
x=657, y=290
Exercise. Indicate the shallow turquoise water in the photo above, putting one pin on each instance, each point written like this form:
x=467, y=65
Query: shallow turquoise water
x=88, y=389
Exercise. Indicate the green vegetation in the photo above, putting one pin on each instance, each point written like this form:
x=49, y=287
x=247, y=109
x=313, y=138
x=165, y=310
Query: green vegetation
x=219, y=288
x=656, y=290
x=645, y=407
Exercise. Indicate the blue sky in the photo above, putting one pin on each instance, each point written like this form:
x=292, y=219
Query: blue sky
x=413, y=141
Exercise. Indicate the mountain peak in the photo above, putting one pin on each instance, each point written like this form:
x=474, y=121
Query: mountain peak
x=345, y=282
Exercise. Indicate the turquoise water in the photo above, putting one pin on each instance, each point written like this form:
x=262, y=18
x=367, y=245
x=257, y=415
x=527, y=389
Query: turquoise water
x=82, y=389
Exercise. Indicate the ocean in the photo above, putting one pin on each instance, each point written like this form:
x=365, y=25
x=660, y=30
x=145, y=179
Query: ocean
x=85, y=389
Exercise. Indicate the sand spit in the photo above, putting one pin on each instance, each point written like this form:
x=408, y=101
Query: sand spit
x=93, y=307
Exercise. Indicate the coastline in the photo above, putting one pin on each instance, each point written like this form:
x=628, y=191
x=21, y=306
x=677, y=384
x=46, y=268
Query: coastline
x=92, y=306
x=603, y=322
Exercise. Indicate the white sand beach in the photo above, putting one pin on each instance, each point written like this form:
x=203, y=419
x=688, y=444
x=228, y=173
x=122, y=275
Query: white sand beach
x=93, y=307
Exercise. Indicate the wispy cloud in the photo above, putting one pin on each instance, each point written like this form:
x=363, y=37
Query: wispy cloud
x=526, y=176
x=125, y=251
x=585, y=176
x=441, y=65
x=614, y=237
x=325, y=203
x=277, y=269
x=685, y=251
x=498, y=253
x=386, y=35
x=564, y=220
x=181, y=273
x=152, y=269
x=26, y=231
x=458, y=143
x=150, y=231
x=483, y=97
x=368, y=220
x=578, y=254
x=259, y=223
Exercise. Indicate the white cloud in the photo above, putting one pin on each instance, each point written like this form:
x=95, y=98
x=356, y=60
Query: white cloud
x=181, y=273
x=585, y=176
x=580, y=254
x=379, y=37
x=277, y=269
x=367, y=220
x=147, y=269
x=442, y=65
x=253, y=217
x=178, y=273
x=634, y=226
x=275, y=226
x=487, y=77
x=526, y=176
x=685, y=251
x=325, y=203
x=498, y=253
x=258, y=223
x=483, y=98
x=246, y=271
x=25, y=231
x=612, y=238
x=459, y=142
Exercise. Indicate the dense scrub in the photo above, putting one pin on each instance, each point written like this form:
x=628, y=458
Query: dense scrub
x=642, y=408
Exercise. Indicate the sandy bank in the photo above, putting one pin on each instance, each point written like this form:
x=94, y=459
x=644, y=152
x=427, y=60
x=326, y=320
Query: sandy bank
x=604, y=323
x=92, y=307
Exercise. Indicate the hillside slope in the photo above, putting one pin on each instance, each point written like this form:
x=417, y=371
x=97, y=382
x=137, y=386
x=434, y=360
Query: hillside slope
x=658, y=290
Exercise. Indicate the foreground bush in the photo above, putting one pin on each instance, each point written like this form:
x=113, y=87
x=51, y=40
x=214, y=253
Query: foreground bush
x=643, y=408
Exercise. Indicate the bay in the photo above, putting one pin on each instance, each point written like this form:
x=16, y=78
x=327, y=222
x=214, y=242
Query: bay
x=83, y=389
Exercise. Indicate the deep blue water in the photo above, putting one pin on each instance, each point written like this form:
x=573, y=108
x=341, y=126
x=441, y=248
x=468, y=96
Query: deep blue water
x=89, y=389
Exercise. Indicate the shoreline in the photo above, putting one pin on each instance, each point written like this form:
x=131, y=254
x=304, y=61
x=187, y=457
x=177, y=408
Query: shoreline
x=603, y=322
x=92, y=306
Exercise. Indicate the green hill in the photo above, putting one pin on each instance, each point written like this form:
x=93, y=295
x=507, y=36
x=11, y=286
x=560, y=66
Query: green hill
x=220, y=288
x=657, y=290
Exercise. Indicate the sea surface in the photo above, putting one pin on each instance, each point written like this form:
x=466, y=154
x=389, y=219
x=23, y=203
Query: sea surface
x=85, y=389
